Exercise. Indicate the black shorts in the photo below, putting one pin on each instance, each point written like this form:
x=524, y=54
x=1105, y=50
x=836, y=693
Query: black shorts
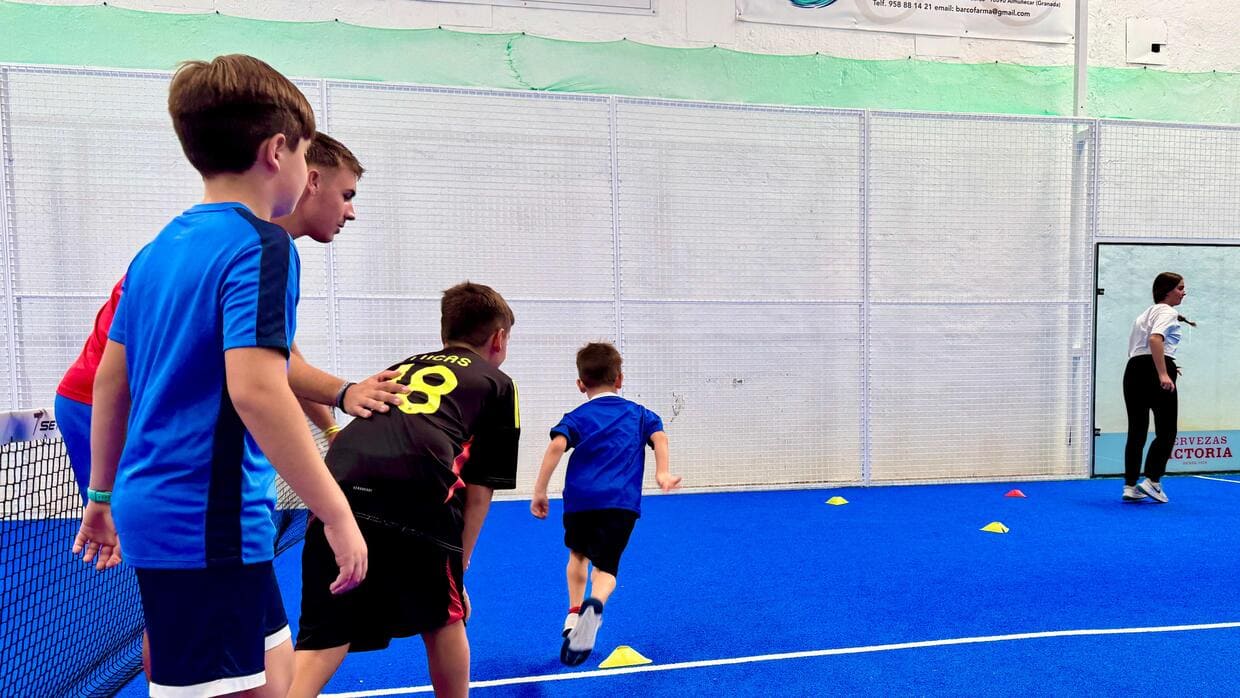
x=412, y=586
x=601, y=535
x=211, y=628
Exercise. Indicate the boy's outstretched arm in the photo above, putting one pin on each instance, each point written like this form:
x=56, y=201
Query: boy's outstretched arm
x=539, y=504
x=259, y=388
x=662, y=469
x=302, y=380
x=109, y=419
x=360, y=399
x=320, y=416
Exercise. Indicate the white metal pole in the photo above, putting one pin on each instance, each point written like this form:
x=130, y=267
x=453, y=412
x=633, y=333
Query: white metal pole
x=1080, y=101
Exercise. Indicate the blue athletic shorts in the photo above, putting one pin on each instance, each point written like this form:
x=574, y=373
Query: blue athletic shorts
x=210, y=628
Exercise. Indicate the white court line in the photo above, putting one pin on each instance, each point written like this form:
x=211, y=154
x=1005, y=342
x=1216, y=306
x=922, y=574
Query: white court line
x=1218, y=479
x=787, y=655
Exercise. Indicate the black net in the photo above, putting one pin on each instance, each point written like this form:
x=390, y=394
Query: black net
x=67, y=629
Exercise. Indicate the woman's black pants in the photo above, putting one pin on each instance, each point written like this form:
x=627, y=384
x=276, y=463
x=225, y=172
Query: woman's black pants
x=1143, y=394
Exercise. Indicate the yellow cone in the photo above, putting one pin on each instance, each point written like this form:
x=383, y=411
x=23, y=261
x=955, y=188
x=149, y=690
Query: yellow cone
x=624, y=656
x=995, y=527
x=837, y=501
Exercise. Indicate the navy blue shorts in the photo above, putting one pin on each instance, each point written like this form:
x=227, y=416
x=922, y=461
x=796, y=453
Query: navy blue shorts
x=210, y=628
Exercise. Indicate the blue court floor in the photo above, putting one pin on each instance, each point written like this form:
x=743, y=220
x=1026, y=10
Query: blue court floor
x=898, y=592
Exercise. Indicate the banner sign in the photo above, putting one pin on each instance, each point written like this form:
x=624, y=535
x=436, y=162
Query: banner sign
x=1050, y=21
x=1194, y=452
x=1208, y=386
x=28, y=425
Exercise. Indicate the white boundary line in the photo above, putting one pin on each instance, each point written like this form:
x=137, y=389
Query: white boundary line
x=789, y=655
x=1217, y=479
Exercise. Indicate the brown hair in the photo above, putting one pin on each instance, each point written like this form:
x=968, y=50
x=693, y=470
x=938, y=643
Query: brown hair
x=223, y=110
x=326, y=151
x=470, y=313
x=598, y=363
x=1165, y=283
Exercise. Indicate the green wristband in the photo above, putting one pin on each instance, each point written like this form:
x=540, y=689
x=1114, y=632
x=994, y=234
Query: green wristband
x=99, y=496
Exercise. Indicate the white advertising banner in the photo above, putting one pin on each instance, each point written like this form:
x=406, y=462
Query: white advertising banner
x=1050, y=21
x=28, y=425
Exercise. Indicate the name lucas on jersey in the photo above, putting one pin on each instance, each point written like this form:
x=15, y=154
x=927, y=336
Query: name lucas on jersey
x=461, y=361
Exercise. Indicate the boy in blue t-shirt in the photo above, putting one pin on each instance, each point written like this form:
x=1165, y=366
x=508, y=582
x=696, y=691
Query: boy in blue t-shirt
x=602, y=489
x=192, y=404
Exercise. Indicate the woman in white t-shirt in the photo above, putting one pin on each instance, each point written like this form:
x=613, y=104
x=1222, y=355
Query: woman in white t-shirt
x=1149, y=385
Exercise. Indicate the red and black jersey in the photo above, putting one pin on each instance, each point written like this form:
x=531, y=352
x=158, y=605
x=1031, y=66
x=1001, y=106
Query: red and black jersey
x=408, y=467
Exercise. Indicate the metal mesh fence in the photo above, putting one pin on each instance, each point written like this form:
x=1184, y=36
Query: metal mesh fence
x=1168, y=181
x=805, y=295
x=976, y=367
x=740, y=255
x=68, y=629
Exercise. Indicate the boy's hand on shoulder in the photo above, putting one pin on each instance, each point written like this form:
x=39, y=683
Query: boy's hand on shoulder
x=349, y=547
x=667, y=481
x=374, y=394
x=539, y=505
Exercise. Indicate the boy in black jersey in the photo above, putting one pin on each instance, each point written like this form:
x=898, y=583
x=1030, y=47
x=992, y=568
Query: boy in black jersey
x=420, y=480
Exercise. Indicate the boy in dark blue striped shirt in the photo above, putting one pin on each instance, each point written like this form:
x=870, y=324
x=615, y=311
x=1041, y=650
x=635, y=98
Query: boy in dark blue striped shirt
x=193, y=413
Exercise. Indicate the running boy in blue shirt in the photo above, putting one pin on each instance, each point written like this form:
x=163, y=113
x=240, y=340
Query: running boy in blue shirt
x=602, y=489
x=192, y=398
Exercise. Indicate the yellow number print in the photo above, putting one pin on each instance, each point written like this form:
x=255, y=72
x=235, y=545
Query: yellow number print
x=434, y=393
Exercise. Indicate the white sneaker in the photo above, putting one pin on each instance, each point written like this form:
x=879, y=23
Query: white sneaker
x=1132, y=493
x=571, y=621
x=1154, y=490
x=580, y=642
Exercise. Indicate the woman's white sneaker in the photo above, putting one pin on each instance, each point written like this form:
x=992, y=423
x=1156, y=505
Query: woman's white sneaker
x=1154, y=490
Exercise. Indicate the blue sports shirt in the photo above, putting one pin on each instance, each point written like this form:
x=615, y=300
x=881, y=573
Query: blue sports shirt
x=608, y=435
x=193, y=489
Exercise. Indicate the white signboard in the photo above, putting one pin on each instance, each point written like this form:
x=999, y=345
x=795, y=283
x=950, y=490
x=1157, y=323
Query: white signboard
x=28, y=425
x=1050, y=21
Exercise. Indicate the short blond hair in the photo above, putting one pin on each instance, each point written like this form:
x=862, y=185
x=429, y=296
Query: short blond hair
x=223, y=109
x=326, y=151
